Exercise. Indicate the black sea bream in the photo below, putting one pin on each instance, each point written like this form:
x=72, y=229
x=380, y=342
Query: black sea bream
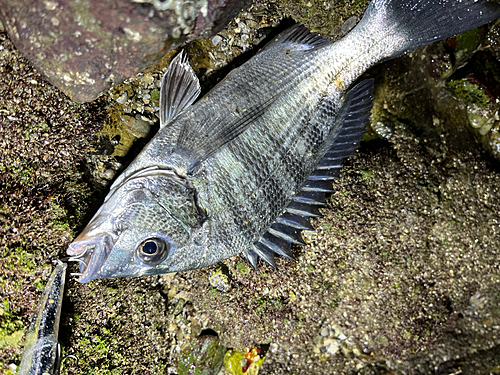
x=243, y=169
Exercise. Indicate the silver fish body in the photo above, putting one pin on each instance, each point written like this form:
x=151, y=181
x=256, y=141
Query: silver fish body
x=41, y=354
x=242, y=169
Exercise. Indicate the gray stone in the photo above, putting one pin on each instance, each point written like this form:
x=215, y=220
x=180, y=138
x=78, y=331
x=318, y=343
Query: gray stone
x=136, y=126
x=86, y=47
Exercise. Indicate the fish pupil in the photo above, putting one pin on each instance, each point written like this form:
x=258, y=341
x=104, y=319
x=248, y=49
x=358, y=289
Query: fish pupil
x=150, y=247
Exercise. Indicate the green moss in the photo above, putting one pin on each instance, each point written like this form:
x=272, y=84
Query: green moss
x=471, y=94
x=277, y=303
x=101, y=348
x=20, y=259
x=23, y=174
x=467, y=40
x=179, y=306
x=39, y=285
x=155, y=97
x=326, y=226
x=370, y=134
x=366, y=174
x=116, y=127
x=265, y=305
x=243, y=267
x=219, y=280
x=41, y=126
x=261, y=308
x=11, y=329
x=381, y=339
x=198, y=58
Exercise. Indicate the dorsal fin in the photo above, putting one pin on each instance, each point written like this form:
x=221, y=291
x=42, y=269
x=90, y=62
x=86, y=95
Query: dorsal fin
x=297, y=38
x=179, y=89
x=352, y=121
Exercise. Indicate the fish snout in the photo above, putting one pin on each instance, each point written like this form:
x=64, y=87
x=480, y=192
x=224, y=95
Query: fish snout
x=78, y=248
x=90, y=253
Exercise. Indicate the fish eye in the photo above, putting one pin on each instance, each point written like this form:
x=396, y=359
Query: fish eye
x=150, y=247
x=152, y=250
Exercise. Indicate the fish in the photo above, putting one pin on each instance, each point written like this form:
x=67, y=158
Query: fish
x=243, y=169
x=42, y=352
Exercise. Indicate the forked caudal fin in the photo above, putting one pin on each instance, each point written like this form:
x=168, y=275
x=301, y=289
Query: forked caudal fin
x=401, y=26
x=352, y=121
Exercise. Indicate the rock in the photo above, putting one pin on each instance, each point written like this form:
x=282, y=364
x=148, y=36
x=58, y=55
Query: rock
x=216, y=40
x=103, y=169
x=219, y=281
x=329, y=18
x=86, y=47
x=136, y=126
x=121, y=99
x=451, y=89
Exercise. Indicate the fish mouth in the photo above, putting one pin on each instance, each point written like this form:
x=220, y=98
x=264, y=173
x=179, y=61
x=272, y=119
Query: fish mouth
x=90, y=253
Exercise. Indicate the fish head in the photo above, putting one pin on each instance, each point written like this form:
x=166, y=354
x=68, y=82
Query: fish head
x=149, y=224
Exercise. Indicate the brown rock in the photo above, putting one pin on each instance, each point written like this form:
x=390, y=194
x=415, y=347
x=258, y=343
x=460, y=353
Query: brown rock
x=85, y=47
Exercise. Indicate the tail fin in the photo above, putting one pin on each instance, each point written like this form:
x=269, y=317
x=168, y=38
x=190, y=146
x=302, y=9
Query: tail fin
x=406, y=25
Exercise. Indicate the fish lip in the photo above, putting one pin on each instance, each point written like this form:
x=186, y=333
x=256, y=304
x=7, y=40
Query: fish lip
x=90, y=253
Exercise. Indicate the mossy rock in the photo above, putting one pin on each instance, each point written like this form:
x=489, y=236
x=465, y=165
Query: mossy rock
x=329, y=18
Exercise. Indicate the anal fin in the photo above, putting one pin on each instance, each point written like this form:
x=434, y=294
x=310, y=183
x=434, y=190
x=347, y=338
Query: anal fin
x=352, y=121
x=295, y=221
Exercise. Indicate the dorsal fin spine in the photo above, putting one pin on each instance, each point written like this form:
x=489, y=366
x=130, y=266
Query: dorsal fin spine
x=179, y=89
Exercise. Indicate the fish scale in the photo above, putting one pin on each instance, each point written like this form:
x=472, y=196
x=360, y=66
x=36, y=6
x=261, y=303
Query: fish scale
x=263, y=194
x=281, y=181
x=241, y=170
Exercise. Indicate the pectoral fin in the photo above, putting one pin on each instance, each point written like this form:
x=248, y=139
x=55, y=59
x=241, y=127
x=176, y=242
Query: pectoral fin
x=197, y=144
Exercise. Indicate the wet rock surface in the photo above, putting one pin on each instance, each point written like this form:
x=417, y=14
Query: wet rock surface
x=85, y=47
x=401, y=275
